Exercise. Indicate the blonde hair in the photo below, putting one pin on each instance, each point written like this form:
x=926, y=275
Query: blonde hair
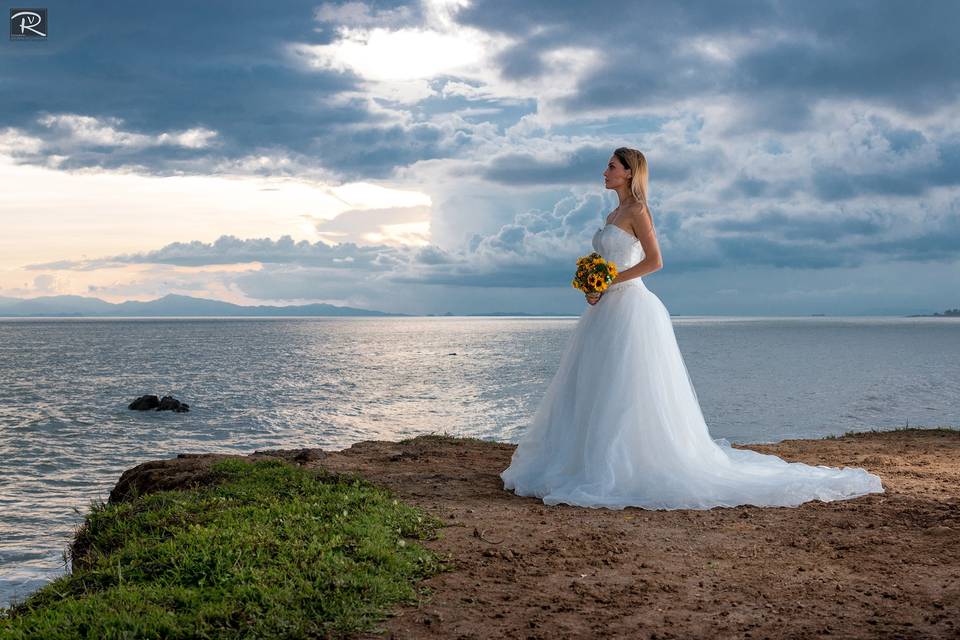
x=640, y=176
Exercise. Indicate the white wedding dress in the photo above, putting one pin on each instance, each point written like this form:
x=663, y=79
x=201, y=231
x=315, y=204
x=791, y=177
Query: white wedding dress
x=620, y=423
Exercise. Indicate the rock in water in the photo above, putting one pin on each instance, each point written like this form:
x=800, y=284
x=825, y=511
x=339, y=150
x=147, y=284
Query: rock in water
x=169, y=403
x=166, y=403
x=145, y=403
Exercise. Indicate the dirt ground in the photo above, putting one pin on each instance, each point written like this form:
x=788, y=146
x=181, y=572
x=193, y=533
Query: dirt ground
x=879, y=566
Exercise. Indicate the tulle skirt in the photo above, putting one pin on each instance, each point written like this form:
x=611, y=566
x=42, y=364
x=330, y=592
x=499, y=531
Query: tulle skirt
x=620, y=425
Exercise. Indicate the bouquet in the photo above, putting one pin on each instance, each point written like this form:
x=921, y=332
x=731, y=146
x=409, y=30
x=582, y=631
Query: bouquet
x=594, y=274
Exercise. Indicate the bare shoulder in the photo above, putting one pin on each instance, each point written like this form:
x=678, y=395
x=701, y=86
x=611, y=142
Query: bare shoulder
x=640, y=219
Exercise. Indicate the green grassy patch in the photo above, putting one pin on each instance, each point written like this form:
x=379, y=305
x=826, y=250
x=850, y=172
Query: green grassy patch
x=271, y=550
x=858, y=433
x=443, y=437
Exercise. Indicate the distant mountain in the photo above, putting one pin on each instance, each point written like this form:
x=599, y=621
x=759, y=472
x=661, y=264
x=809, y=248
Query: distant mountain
x=949, y=313
x=55, y=306
x=167, y=306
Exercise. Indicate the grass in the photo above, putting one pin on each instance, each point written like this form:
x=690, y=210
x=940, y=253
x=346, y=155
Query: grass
x=907, y=428
x=270, y=550
x=444, y=437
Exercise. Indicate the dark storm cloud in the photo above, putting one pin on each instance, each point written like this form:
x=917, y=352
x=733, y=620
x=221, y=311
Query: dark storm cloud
x=374, y=151
x=173, y=66
x=768, y=252
x=584, y=164
x=639, y=44
x=176, y=66
x=820, y=226
x=904, y=139
x=547, y=22
x=746, y=186
x=797, y=53
x=836, y=183
x=939, y=243
x=895, y=53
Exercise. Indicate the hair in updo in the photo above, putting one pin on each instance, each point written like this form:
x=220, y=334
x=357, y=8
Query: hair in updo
x=633, y=159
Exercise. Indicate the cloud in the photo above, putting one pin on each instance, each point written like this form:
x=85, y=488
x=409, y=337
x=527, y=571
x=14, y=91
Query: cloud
x=832, y=182
x=230, y=75
x=386, y=55
x=45, y=282
x=79, y=130
x=580, y=165
x=403, y=226
x=373, y=151
x=938, y=241
x=361, y=14
x=826, y=227
x=772, y=56
x=778, y=136
x=232, y=250
x=585, y=164
x=16, y=143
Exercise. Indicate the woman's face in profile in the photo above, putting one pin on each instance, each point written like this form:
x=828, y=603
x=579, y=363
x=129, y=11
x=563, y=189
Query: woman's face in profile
x=615, y=175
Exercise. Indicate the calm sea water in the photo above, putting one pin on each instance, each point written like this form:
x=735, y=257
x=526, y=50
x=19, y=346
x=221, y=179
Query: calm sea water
x=66, y=434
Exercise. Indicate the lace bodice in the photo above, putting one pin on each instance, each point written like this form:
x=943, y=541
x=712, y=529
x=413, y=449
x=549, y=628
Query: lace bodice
x=619, y=246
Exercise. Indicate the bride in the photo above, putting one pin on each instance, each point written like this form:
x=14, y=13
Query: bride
x=620, y=423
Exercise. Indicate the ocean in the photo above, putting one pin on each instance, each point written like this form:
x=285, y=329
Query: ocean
x=66, y=434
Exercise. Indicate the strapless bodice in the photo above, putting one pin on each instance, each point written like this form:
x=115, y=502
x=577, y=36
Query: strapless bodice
x=622, y=248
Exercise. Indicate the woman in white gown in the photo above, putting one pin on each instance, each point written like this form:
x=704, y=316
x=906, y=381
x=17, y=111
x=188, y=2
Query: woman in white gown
x=620, y=423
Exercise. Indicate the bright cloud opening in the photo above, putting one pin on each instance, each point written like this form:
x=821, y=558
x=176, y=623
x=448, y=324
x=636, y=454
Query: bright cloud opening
x=407, y=54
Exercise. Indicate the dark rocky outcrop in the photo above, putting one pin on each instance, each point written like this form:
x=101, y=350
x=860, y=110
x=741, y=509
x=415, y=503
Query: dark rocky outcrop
x=190, y=470
x=169, y=403
x=166, y=403
x=145, y=403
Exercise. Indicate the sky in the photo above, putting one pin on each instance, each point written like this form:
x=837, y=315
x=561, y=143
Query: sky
x=447, y=156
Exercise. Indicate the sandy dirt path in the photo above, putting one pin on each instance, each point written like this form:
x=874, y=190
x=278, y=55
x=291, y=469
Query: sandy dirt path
x=878, y=566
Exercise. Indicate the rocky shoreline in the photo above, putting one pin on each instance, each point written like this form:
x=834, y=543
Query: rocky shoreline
x=879, y=566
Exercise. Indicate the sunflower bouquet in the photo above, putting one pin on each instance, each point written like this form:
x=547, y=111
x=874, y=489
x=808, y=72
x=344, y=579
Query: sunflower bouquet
x=594, y=274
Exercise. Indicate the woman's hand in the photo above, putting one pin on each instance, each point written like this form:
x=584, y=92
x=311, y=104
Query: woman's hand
x=593, y=298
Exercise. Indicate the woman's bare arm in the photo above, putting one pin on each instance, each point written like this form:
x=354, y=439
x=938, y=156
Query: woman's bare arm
x=642, y=226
